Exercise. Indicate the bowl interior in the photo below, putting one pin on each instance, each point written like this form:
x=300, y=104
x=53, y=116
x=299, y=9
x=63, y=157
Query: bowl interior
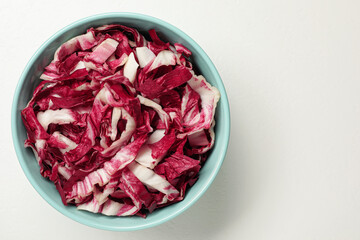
x=30, y=78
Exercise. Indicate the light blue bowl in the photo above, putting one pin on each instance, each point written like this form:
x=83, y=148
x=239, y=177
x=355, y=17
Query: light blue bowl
x=30, y=78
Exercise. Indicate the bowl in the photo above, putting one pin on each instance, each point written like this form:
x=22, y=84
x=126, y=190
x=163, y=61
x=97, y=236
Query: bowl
x=30, y=78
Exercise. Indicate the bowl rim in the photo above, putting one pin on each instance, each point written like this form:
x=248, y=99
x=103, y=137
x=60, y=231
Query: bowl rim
x=131, y=15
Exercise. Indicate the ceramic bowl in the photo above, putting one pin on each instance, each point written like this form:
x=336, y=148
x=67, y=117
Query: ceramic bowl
x=30, y=78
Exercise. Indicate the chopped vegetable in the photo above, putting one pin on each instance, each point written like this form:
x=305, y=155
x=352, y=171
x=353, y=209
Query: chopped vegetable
x=121, y=124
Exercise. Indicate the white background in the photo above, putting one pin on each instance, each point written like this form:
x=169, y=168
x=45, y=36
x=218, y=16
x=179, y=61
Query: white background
x=292, y=74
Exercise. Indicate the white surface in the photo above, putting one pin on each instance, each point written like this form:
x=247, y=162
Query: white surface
x=291, y=69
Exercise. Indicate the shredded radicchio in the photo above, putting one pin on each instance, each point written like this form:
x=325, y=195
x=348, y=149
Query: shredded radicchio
x=121, y=124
